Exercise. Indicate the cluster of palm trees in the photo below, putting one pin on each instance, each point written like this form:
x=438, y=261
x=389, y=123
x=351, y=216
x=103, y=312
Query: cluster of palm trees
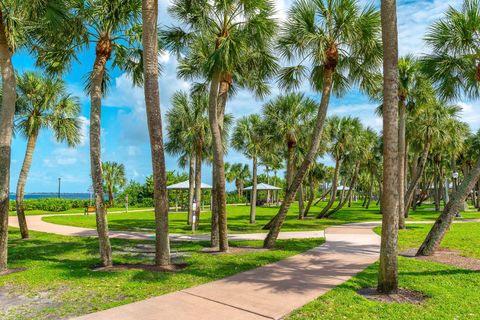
x=224, y=46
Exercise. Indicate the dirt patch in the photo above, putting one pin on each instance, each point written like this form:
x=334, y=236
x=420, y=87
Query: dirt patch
x=142, y=267
x=10, y=300
x=233, y=250
x=445, y=256
x=10, y=271
x=402, y=296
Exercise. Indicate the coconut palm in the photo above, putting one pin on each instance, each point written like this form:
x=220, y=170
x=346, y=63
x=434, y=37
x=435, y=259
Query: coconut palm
x=340, y=40
x=250, y=137
x=112, y=26
x=187, y=132
x=343, y=135
x=114, y=177
x=388, y=269
x=42, y=103
x=21, y=24
x=228, y=43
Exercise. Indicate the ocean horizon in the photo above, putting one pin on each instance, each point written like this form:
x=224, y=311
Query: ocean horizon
x=42, y=195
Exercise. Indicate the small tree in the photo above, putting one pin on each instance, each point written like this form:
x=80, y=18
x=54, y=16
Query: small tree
x=114, y=177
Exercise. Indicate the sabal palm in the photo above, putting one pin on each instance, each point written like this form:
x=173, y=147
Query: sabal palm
x=250, y=137
x=288, y=115
x=237, y=172
x=228, y=45
x=112, y=26
x=344, y=139
x=42, y=103
x=188, y=134
x=21, y=24
x=114, y=177
x=341, y=41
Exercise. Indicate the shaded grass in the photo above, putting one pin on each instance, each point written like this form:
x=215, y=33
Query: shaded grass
x=238, y=219
x=58, y=268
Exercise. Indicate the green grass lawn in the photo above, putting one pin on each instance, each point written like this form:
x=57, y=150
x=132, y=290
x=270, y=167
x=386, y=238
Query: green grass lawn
x=452, y=292
x=238, y=219
x=58, y=269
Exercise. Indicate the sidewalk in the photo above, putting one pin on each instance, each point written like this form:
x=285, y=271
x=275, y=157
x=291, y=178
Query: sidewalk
x=268, y=292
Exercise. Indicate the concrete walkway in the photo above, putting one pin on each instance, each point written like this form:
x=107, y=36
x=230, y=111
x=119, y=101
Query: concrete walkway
x=36, y=223
x=268, y=292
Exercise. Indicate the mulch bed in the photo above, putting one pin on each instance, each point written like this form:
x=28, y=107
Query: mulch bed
x=142, y=267
x=402, y=296
x=10, y=271
x=233, y=250
x=446, y=256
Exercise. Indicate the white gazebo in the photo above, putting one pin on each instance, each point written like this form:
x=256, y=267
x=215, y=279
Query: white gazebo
x=264, y=187
x=185, y=185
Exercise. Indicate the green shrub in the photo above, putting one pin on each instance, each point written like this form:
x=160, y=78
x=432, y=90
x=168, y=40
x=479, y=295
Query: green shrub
x=51, y=204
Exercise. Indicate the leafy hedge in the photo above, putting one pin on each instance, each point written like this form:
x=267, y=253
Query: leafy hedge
x=51, y=204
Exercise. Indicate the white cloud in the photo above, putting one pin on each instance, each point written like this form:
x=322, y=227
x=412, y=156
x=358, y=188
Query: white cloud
x=84, y=130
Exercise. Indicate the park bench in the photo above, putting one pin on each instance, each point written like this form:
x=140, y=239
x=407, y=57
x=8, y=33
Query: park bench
x=89, y=209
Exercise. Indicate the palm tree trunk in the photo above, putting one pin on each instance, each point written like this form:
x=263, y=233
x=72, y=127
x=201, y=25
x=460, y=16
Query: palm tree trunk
x=353, y=183
x=253, y=197
x=214, y=241
x=7, y=112
x=323, y=196
x=22, y=180
x=312, y=152
x=454, y=206
x=198, y=177
x=103, y=53
x=370, y=193
x=191, y=187
x=311, y=197
x=301, y=203
x=290, y=163
x=413, y=174
x=154, y=121
x=323, y=213
x=110, y=196
x=218, y=164
x=416, y=179
x=388, y=269
x=401, y=162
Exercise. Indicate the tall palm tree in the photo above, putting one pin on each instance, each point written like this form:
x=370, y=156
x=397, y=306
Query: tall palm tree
x=388, y=269
x=112, y=27
x=228, y=43
x=114, y=177
x=154, y=120
x=343, y=135
x=288, y=114
x=455, y=69
x=341, y=40
x=42, y=103
x=21, y=24
x=250, y=137
x=188, y=131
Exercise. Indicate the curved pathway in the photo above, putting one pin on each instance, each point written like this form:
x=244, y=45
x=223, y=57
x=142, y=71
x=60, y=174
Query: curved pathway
x=36, y=223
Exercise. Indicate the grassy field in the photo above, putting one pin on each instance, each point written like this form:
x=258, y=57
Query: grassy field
x=452, y=292
x=238, y=219
x=60, y=283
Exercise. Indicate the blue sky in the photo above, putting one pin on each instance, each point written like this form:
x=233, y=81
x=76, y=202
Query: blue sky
x=124, y=130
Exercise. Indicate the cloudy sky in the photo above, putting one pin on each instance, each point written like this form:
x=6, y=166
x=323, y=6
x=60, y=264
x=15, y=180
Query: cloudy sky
x=125, y=136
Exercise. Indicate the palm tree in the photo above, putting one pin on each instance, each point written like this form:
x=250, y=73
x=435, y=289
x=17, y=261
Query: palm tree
x=316, y=174
x=188, y=131
x=388, y=269
x=21, y=24
x=237, y=172
x=343, y=135
x=112, y=26
x=341, y=41
x=228, y=42
x=114, y=177
x=455, y=70
x=288, y=114
x=249, y=136
x=42, y=103
x=154, y=120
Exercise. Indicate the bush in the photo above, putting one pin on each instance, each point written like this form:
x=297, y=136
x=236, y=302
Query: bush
x=51, y=204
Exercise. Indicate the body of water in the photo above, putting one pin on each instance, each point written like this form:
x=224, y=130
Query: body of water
x=79, y=196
